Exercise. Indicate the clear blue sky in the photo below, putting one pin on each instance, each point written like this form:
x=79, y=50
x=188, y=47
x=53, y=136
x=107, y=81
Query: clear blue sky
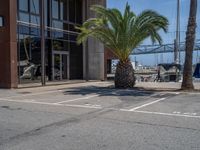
x=166, y=8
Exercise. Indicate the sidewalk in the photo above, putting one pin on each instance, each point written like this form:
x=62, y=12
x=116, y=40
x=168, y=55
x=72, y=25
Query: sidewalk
x=63, y=86
x=170, y=86
x=163, y=85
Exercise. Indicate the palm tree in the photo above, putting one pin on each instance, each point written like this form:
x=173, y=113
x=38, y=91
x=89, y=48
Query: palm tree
x=187, y=83
x=121, y=33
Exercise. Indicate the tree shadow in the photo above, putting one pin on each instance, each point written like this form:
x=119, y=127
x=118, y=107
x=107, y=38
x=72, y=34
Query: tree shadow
x=108, y=91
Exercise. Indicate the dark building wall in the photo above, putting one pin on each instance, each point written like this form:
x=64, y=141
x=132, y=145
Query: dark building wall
x=8, y=45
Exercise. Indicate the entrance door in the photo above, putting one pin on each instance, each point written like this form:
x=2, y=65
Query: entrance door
x=60, y=65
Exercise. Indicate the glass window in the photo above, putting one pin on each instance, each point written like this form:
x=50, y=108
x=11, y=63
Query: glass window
x=35, y=31
x=57, y=35
x=35, y=19
x=66, y=46
x=35, y=6
x=23, y=30
x=65, y=11
x=35, y=56
x=1, y=21
x=57, y=24
x=65, y=26
x=46, y=4
x=57, y=45
x=55, y=9
x=24, y=17
x=23, y=5
x=72, y=28
x=79, y=11
x=24, y=47
x=61, y=10
x=72, y=10
x=73, y=37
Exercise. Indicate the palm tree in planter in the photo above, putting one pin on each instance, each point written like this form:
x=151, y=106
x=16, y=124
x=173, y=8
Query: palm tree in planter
x=121, y=33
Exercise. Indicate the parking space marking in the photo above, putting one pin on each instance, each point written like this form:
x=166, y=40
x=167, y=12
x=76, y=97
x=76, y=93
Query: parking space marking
x=27, y=101
x=77, y=99
x=167, y=114
x=52, y=104
x=175, y=93
x=147, y=104
x=84, y=106
x=90, y=106
x=31, y=94
x=186, y=113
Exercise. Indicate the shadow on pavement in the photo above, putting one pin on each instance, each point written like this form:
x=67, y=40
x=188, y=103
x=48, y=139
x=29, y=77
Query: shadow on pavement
x=108, y=91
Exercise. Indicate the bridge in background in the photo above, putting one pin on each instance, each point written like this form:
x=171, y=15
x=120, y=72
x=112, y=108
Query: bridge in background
x=166, y=48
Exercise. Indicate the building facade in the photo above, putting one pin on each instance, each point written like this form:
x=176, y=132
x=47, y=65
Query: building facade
x=38, y=42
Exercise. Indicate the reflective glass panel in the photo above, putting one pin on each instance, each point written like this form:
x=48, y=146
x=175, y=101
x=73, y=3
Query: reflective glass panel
x=57, y=24
x=1, y=21
x=23, y=5
x=24, y=17
x=78, y=11
x=72, y=10
x=55, y=9
x=34, y=6
x=35, y=19
x=65, y=11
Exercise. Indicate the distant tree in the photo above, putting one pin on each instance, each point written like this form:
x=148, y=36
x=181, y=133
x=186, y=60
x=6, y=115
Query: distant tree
x=187, y=83
x=122, y=33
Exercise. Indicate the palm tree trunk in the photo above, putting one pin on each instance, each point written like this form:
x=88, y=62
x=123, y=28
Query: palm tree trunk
x=187, y=83
x=124, y=76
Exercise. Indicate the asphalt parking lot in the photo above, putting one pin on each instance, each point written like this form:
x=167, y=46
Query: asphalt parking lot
x=99, y=118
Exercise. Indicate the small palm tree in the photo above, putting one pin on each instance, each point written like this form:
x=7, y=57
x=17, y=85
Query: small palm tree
x=187, y=83
x=121, y=33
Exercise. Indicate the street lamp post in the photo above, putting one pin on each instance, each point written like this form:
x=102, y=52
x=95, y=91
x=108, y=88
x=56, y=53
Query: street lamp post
x=177, y=58
x=177, y=47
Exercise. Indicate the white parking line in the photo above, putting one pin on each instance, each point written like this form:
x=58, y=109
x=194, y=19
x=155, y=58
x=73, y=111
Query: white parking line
x=52, y=104
x=27, y=101
x=72, y=100
x=167, y=114
x=176, y=93
x=84, y=106
x=147, y=104
x=32, y=94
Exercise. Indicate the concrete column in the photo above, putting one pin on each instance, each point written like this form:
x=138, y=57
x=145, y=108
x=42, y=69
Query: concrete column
x=8, y=45
x=95, y=49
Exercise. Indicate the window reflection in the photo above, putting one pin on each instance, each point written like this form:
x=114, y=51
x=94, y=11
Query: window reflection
x=23, y=5
x=35, y=31
x=60, y=45
x=24, y=17
x=55, y=9
x=35, y=19
x=34, y=6
x=29, y=58
x=60, y=17
x=78, y=11
x=57, y=24
x=72, y=10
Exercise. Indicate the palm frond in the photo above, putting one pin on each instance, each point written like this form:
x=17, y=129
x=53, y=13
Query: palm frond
x=122, y=32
